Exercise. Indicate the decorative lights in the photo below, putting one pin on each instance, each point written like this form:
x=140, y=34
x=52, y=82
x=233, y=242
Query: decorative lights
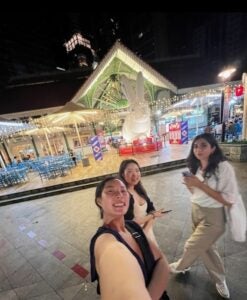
x=227, y=73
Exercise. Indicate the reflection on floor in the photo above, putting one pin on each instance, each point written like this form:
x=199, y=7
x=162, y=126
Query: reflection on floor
x=109, y=164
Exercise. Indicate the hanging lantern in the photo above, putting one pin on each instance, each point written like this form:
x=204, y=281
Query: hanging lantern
x=239, y=90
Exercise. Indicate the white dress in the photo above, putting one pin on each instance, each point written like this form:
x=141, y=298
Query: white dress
x=141, y=211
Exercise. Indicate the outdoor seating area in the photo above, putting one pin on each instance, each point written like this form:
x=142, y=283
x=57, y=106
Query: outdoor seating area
x=109, y=164
x=48, y=167
x=12, y=176
x=53, y=167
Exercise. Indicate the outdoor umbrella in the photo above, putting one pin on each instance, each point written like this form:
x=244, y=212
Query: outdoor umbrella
x=74, y=114
x=8, y=128
x=44, y=131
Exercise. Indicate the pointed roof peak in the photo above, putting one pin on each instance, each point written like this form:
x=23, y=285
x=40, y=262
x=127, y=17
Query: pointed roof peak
x=118, y=50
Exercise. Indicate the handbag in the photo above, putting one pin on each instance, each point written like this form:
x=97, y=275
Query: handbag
x=237, y=220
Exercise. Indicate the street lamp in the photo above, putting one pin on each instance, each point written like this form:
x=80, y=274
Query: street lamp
x=227, y=73
x=224, y=107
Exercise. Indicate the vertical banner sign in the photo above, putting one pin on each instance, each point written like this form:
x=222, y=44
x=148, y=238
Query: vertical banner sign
x=94, y=141
x=178, y=133
x=184, y=132
x=227, y=97
x=174, y=133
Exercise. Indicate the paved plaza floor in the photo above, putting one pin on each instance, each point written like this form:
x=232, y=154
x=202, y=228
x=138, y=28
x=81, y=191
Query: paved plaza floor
x=44, y=244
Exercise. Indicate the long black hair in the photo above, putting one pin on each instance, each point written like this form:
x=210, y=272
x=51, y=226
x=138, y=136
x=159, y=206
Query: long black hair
x=214, y=159
x=139, y=187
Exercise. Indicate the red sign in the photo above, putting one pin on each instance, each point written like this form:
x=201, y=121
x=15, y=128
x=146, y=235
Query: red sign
x=175, y=133
x=239, y=90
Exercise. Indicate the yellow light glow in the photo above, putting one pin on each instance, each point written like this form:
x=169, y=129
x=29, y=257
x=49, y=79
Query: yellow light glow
x=227, y=73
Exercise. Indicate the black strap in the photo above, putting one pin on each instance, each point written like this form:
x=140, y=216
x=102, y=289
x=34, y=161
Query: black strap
x=147, y=253
x=142, y=241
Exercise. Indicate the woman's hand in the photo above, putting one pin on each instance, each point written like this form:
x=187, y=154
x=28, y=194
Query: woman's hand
x=157, y=213
x=192, y=181
x=151, y=217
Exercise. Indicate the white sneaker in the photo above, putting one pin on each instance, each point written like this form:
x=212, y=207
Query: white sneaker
x=223, y=290
x=173, y=268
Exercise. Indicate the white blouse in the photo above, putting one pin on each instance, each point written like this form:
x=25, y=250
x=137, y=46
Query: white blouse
x=224, y=182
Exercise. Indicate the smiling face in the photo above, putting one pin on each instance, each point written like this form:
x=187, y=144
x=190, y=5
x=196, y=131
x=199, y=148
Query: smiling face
x=132, y=174
x=114, y=199
x=202, y=149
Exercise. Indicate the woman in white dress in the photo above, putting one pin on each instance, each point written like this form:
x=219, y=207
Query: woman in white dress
x=141, y=209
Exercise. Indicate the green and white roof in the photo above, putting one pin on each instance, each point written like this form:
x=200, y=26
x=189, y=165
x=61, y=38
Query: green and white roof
x=102, y=89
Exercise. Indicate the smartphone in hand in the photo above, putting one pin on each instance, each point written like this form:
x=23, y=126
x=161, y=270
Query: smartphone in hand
x=166, y=211
x=186, y=174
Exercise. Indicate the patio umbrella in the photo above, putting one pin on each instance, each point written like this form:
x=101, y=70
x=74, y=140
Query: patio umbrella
x=75, y=114
x=44, y=131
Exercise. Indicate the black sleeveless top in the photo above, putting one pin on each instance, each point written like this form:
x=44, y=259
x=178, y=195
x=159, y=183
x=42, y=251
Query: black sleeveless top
x=137, y=232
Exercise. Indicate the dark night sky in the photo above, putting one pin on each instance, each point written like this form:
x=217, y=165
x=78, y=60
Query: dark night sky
x=45, y=33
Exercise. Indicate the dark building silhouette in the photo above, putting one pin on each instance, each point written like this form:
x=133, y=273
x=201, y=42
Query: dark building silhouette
x=188, y=48
x=146, y=35
x=24, y=49
x=34, y=44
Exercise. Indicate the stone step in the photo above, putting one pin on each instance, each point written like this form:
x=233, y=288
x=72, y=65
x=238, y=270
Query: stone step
x=82, y=184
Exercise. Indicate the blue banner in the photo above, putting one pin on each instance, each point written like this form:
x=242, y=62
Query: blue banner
x=94, y=141
x=184, y=132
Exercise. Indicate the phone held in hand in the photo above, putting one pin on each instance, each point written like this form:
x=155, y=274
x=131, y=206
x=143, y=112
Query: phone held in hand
x=166, y=211
x=186, y=173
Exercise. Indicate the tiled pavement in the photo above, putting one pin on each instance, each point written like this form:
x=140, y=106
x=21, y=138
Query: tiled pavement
x=44, y=244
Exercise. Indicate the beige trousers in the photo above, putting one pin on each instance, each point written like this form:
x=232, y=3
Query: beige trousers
x=208, y=226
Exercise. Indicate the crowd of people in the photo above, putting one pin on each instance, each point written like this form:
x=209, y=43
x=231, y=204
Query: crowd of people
x=232, y=129
x=17, y=159
x=126, y=240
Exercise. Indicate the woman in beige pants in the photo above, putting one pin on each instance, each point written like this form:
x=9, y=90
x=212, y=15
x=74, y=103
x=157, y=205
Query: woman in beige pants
x=213, y=185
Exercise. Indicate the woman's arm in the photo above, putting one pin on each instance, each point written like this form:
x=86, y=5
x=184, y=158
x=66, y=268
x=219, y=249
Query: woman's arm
x=111, y=257
x=212, y=193
x=221, y=195
x=148, y=220
x=145, y=220
x=160, y=276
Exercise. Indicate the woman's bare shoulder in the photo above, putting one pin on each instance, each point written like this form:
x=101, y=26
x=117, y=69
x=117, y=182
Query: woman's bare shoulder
x=104, y=240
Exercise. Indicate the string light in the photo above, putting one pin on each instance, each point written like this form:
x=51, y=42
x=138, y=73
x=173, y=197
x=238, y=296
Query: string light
x=168, y=103
x=9, y=128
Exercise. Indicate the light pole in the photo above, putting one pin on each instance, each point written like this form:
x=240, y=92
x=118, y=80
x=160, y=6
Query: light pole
x=224, y=106
x=156, y=121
